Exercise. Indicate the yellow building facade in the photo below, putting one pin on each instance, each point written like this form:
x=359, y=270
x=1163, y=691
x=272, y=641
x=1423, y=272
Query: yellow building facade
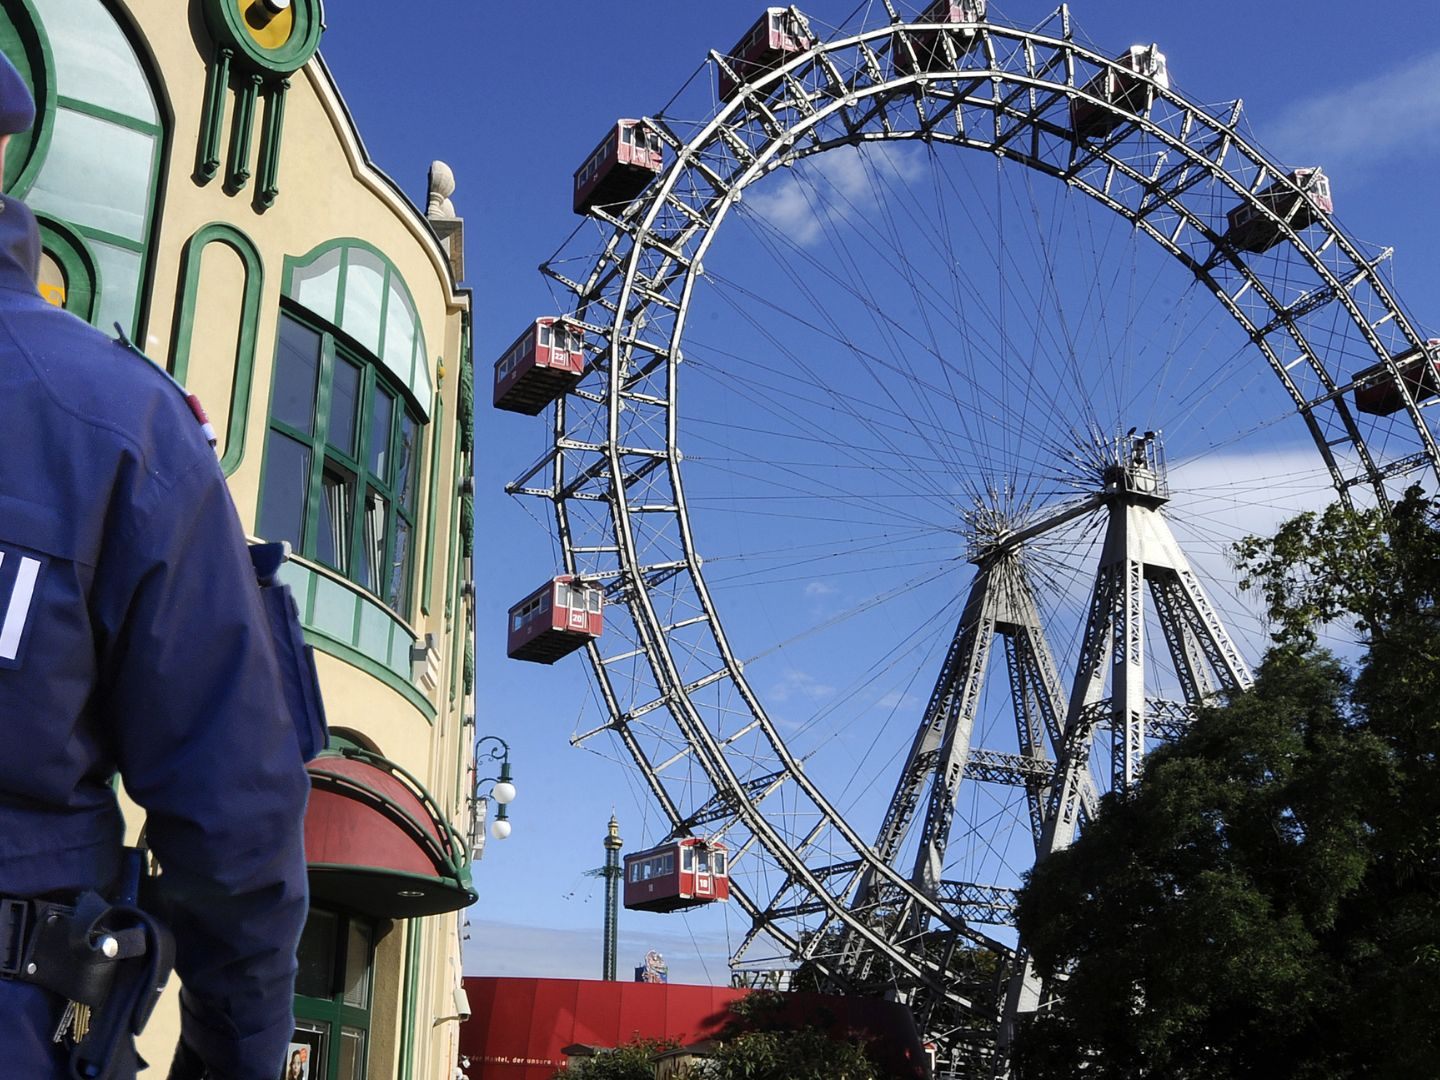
x=199, y=181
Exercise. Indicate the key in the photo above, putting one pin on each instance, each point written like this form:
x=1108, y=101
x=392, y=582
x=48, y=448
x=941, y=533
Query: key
x=67, y=1018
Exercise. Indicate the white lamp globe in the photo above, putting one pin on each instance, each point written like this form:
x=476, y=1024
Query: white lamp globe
x=500, y=828
x=503, y=792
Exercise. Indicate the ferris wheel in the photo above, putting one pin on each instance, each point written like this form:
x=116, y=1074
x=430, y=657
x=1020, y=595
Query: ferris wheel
x=893, y=513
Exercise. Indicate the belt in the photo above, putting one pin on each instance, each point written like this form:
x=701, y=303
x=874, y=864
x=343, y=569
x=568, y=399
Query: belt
x=112, y=959
x=66, y=948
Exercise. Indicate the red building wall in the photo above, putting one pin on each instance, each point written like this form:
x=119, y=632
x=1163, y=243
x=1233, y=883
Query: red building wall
x=517, y=1027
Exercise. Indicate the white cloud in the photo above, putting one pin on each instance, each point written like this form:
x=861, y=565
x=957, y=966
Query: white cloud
x=817, y=589
x=1366, y=125
x=797, y=685
x=831, y=187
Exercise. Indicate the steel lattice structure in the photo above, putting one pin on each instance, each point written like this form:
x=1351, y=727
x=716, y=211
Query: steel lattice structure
x=849, y=905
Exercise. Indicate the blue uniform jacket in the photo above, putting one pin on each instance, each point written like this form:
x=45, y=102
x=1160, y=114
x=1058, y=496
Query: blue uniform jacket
x=132, y=640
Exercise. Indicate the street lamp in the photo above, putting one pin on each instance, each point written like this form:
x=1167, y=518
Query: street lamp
x=503, y=791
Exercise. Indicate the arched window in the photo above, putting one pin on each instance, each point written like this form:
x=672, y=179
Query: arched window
x=93, y=160
x=348, y=401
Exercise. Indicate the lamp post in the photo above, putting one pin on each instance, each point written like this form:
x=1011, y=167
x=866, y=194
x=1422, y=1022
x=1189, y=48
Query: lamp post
x=503, y=791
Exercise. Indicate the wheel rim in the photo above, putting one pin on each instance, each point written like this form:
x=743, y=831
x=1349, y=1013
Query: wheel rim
x=1315, y=311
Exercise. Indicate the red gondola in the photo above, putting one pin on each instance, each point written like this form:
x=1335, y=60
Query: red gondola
x=678, y=874
x=621, y=167
x=927, y=44
x=1379, y=394
x=1132, y=93
x=555, y=620
x=1250, y=230
x=543, y=363
x=774, y=38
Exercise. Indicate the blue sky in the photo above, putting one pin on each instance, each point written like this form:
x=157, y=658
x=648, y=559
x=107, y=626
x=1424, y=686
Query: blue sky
x=513, y=96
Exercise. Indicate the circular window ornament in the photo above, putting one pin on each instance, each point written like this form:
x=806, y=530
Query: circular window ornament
x=276, y=36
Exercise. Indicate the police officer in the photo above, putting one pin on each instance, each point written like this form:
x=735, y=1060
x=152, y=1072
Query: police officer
x=133, y=641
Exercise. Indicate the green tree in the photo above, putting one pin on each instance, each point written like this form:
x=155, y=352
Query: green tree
x=1267, y=902
x=806, y=1054
x=762, y=1042
x=628, y=1062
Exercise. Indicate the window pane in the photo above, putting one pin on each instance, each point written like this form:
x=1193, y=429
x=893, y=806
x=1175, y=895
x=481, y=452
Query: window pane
x=119, y=284
x=344, y=398
x=381, y=415
x=282, y=499
x=357, y=965
x=93, y=59
x=352, y=1054
x=317, y=286
x=373, y=549
x=316, y=976
x=332, y=546
x=397, y=595
x=96, y=173
x=399, y=352
x=408, y=464
x=297, y=367
x=364, y=288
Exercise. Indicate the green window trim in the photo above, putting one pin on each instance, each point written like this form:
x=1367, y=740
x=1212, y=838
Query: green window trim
x=39, y=48
x=334, y=1013
x=358, y=562
x=82, y=273
x=415, y=378
x=28, y=46
x=241, y=387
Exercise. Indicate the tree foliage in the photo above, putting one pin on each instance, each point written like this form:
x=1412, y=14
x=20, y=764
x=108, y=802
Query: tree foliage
x=1267, y=902
x=760, y=1041
x=628, y=1062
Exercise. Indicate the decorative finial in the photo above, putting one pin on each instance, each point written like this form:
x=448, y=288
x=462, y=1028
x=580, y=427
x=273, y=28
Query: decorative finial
x=442, y=186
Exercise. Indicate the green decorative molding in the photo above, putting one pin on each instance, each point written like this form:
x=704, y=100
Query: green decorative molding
x=242, y=127
x=437, y=434
x=269, y=182
x=467, y=524
x=240, y=388
x=212, y=116
x=467, y=392
x=245, y=26
x=348, y=624
x=409, y=1019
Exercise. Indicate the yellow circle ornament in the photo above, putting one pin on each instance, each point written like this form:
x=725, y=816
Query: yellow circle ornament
x=274, y=36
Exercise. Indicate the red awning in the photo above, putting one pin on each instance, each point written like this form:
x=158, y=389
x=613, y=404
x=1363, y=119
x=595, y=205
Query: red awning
x=376, y=842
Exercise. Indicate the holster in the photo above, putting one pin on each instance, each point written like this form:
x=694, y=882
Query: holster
x=113, y=958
